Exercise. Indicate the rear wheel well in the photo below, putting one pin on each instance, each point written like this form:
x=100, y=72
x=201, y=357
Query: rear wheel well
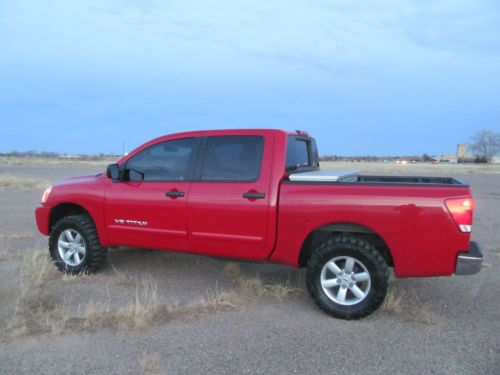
x=65, y=209
x=317, y=236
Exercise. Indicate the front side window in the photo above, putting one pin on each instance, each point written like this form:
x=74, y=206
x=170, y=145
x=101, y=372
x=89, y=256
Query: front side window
x=166, y=161
x=233, y=158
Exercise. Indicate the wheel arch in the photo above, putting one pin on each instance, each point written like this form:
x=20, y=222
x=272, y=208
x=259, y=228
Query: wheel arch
x=62, y=210
x=319, y=234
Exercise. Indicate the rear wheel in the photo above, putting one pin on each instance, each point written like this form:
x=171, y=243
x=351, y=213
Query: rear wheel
x=74, y=245
x=347, y=277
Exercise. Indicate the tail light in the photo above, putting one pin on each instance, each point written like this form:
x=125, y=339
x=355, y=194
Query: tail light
x=461, y=212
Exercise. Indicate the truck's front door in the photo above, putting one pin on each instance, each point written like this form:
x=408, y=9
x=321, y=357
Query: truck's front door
x=228, y=204
x=148, y=208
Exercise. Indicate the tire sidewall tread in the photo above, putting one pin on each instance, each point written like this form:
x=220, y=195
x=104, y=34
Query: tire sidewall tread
x=95, y=254
x=366, y=253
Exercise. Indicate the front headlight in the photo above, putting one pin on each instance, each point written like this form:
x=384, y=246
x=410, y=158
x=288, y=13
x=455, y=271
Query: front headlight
x=46, y=194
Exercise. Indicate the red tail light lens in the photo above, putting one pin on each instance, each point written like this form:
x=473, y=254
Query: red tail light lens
x=461, y=212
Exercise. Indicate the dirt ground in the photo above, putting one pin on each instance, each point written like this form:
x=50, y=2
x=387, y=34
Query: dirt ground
x=159, y=312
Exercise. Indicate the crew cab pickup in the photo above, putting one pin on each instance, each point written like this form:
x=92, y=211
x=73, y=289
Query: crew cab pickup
x=259, y=195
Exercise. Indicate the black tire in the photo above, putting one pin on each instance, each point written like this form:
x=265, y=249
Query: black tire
x=95, y=254
x=336, y=247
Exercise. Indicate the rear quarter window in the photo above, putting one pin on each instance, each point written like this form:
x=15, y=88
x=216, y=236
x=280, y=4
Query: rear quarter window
x=302, y=154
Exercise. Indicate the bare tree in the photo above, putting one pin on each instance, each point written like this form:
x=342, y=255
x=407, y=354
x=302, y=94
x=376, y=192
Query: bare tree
x=485, y=143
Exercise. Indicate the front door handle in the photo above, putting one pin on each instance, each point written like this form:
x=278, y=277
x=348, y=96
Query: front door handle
x=254, y=195
x=174, y=194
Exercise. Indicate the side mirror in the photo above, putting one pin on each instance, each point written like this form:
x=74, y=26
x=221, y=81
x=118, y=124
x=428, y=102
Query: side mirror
x=113, y=172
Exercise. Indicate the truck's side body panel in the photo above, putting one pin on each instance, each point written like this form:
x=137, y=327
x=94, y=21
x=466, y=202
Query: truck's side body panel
x=213, y=217
x=412, y=220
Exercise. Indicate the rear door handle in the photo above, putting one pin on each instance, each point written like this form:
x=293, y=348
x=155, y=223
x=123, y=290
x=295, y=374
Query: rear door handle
x=254, y=195
x=174, y=193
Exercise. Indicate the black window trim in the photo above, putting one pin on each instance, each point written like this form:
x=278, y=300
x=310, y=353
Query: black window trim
x=190, y=171
x=201, y=159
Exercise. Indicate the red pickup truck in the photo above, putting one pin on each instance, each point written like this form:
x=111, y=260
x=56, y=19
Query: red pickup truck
x=259, y=195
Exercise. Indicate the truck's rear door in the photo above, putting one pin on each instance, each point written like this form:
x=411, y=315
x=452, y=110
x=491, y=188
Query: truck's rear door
x=228, y=205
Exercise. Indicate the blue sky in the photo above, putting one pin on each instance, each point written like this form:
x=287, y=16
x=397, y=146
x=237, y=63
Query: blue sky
x=380, y=77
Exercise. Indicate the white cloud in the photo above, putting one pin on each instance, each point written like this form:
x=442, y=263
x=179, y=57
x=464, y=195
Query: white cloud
x=325, y=35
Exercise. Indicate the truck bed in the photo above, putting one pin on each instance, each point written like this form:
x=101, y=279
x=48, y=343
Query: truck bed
x=351, y=177
x=421, y=180
x=407, y=212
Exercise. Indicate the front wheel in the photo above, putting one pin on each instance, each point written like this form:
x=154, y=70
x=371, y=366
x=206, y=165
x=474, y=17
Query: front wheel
x=74, y=245
x=347, y=277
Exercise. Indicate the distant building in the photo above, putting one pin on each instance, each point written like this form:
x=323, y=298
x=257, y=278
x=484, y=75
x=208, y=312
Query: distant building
x=461, y=155
x=449, y=158
x=462, y=151
x=495, y=159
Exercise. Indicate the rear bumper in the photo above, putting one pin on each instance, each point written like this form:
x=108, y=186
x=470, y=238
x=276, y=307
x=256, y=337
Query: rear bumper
x=470, y=262
x=42, y=219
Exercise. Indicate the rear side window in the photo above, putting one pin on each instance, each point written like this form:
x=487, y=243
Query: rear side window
x=301, y=154
x=166, y=161
x=233, y=158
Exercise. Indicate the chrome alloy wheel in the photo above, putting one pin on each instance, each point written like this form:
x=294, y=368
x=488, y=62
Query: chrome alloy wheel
x=71, y=247
x=345, y=280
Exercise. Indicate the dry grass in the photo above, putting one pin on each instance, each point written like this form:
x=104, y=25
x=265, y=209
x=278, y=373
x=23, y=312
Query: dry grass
x=58, y=326
x=421, y=312
x=409, y=308
x=392, y=302
x=4, y=256
x=36, y=268
x=256, y=288
x=79, y=277
x=138, y=314
x=146, y=309
x=11, y=181
x=424, y=315
x=150, y=364
x=18, y=331
x=16, y=236
x=13, y=161
x=95, y=313
x=120, y=278
x=141, y=311
x=37, y=309
x=253, y=287
x=115, y=279
x=217, y=298
x=34, y=309
x=281, y=291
